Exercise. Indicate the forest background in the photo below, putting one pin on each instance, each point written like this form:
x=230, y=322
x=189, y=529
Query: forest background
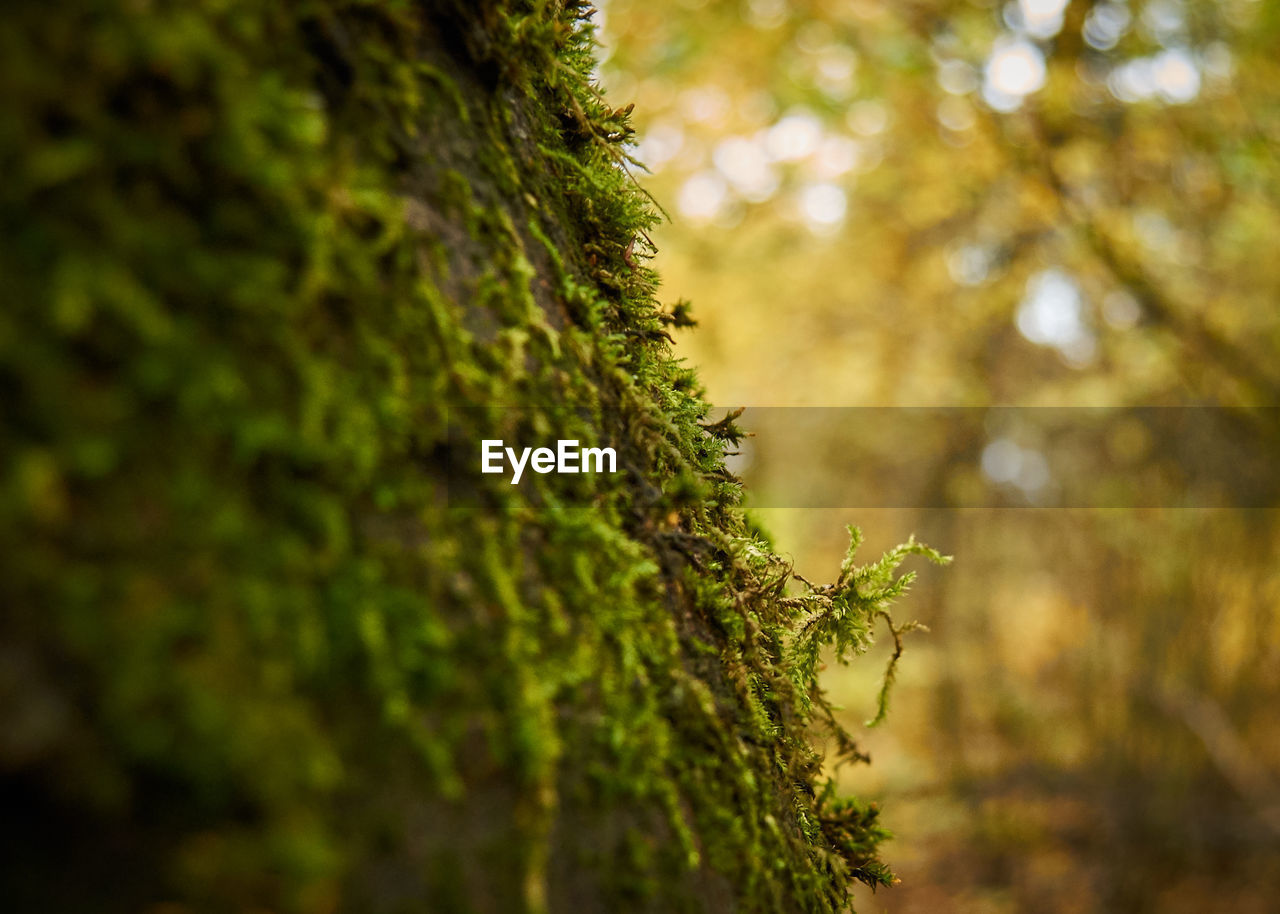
x=1058, y=206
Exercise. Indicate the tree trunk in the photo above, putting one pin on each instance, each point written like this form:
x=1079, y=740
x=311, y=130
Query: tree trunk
x=270, y=641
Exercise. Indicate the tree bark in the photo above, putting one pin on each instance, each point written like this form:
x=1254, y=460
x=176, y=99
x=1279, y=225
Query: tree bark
x=270, y=642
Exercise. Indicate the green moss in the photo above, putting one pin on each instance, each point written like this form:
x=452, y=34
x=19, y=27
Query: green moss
x=262, y=264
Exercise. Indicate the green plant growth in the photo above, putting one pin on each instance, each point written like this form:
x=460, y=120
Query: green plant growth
x=265, y=266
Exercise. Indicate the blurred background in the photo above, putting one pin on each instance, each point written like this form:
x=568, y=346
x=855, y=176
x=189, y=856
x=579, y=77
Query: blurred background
x=1052, y=205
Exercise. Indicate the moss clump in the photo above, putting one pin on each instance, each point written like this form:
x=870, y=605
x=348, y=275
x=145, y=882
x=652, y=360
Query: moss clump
x=266, y=266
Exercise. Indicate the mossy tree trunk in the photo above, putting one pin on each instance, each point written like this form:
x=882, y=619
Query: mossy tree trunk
x=271, y=269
